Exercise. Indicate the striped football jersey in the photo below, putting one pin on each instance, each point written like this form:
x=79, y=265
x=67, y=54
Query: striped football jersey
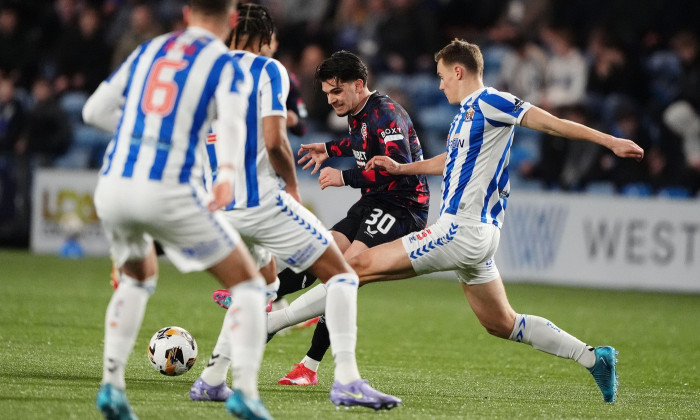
x=171, y=88
x=255, y=175
x=475, y=179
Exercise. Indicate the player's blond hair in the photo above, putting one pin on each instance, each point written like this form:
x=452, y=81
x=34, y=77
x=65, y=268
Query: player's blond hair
x=462, y=52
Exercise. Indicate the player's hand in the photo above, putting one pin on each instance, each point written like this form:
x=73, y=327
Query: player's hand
x=627, y=149
x=384, y=162
x=223, y=196
x=314, y=153
x=330, y=177
x=293, y=191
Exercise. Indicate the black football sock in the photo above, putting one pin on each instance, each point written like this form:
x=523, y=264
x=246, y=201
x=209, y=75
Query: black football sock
x=321, y=341
x=291, y=282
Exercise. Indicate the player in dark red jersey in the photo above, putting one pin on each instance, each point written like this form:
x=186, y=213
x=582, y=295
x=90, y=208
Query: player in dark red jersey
x=390, y=206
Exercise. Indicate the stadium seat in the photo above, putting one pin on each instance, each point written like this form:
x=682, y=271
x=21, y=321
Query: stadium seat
x=674, y=192
x=601, y=188
x=638, y=189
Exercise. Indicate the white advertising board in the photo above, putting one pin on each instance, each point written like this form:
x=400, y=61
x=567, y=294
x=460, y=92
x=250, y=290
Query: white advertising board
x=577, y=240
x=62, y=200
x=602, y=242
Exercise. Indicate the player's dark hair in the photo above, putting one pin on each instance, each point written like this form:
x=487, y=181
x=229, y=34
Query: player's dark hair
x=462, y=52
x=254, y=21
x=211, y=7
x=342, y=66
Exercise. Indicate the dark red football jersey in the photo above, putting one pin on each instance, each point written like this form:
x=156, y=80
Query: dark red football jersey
x=383, y=127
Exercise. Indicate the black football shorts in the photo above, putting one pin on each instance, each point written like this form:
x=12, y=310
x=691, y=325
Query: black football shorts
x=374, y=222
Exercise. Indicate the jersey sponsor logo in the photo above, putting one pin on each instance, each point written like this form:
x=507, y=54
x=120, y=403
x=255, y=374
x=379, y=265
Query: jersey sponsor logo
x=360, y=157
x=202, y=249
x=420, y=235
x=455, y=142
x=392, y=134
x=518, y=104
x=211, y=138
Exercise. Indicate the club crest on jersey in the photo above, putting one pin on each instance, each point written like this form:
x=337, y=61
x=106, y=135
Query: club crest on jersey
x=469, y=115
x=211, y=138
x=363, y=131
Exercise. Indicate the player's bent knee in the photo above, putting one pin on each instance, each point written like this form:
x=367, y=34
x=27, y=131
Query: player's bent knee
x=499, y=328
x=149, y=284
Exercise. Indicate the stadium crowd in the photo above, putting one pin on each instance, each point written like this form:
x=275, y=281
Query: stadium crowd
x=628, y=68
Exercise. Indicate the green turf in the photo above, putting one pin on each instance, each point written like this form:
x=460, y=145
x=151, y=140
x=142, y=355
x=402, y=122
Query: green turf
x=417, y=340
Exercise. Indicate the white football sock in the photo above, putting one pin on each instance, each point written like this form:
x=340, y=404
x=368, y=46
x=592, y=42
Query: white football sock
x=543, y=335
x=309, y=305
x=122, y=324
x=341, y=320
x=220, y=360
x=245, y=323
x=310, y=363
x=271, y=290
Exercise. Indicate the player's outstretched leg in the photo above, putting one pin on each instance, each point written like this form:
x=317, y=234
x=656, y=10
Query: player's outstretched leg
x=604, y=372
x=202, y=391
x=360, y=393
x=246, y=408
x=112, y=402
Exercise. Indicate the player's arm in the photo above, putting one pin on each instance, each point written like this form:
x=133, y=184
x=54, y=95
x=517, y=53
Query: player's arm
x=280, y=152
x=274, y=90
x=296, y=109
x=103, y=109
x=541, y=120
x=432, y=166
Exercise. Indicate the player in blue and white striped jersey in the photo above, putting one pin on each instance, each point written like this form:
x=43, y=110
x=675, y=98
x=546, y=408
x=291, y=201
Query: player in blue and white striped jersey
x=475, y=191
x=160, y=103
x=268, y=213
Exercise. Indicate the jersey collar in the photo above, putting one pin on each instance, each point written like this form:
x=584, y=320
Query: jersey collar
x=365, y=104
x=470, y=98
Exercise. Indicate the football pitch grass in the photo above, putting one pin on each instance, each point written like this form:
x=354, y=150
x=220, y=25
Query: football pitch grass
x=417, y=340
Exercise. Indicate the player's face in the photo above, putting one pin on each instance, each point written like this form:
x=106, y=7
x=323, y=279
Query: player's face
x=448, y=82
x=344, y=97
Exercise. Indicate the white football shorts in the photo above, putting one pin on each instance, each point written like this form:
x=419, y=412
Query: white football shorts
x=285, y=228
x=134, y=213
x=454, y=243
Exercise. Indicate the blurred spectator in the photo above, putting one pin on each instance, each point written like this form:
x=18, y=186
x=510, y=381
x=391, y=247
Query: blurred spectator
x=522, y=72
x=12, y=116
x=301, y=22
x=14, y=50
x=613, y=77
x=82, y=56
x=565, y=75
x=48, y=133
x=141, y=28
x=683, y=115
x=407, y=38
x=565, y=163
x=316, y=102
x=12, y=179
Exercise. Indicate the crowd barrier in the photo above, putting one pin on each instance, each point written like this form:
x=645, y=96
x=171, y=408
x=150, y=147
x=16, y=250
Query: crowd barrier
x=568, y=239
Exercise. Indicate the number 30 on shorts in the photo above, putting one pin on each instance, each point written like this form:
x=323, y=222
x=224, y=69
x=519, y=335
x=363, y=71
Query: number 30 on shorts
x=382, y=221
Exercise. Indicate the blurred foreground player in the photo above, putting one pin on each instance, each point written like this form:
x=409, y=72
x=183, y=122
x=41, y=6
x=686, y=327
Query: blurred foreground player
x=162, y=100
x=270, y=215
